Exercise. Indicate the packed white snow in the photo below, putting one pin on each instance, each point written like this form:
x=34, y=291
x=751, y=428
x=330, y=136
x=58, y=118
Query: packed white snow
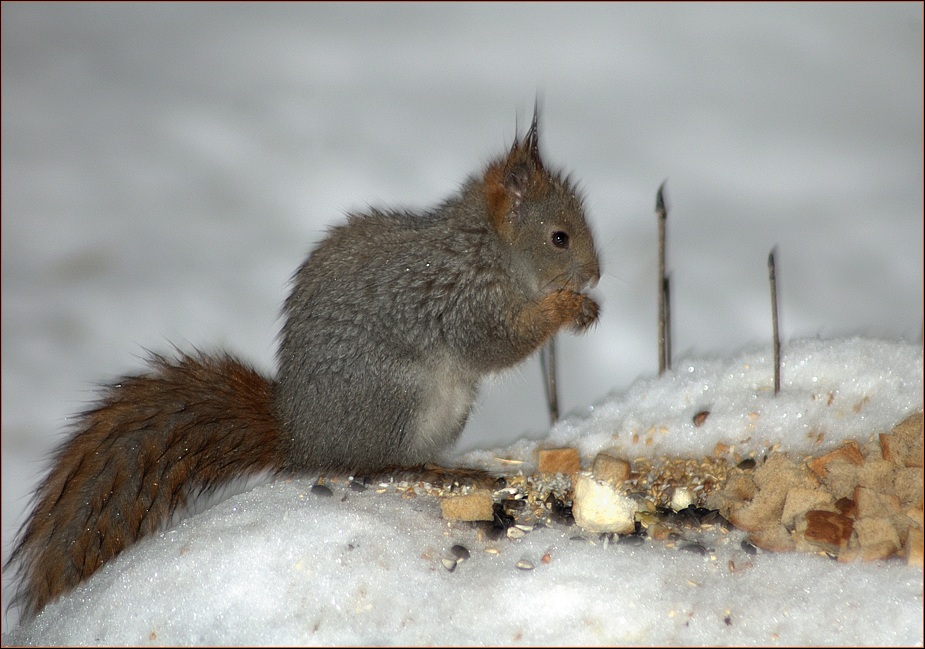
x=281, y=565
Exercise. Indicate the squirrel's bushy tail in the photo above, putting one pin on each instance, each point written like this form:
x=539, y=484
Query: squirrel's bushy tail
x=152, y=441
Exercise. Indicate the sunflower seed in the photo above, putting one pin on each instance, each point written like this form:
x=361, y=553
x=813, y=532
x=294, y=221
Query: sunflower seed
x=321, y=490
x=460, y=552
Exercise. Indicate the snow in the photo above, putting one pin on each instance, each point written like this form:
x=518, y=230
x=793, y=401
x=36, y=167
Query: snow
x=167, y=167
x=281, y=565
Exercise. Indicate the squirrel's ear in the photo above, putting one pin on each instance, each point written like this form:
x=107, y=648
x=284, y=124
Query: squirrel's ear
x=523, y=163
x=517, y=181
x=510, y=179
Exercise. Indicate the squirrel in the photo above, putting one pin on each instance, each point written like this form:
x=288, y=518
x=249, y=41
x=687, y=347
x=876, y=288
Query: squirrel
x=392, y=321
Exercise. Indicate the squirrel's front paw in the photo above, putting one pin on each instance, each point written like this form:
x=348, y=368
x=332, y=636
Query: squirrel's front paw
x=587, y=313
x=565, y=308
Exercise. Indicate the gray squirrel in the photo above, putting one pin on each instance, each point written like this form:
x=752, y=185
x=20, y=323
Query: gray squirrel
x=392, y=322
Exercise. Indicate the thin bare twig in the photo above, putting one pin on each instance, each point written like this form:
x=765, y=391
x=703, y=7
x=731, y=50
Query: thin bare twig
x=772, y=275
x=667, y=325
x=661, y=212
x=548, y=366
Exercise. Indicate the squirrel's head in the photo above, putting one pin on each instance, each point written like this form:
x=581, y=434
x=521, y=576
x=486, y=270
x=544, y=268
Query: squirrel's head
x=539, y=216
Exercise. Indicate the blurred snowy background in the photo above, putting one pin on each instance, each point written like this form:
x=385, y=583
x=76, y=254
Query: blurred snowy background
x=166, y=168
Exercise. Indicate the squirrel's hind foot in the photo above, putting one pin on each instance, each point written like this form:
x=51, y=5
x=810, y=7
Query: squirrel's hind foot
x=451, y=478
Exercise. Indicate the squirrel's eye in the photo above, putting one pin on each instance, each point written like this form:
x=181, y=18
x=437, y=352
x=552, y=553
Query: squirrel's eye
x=560, y=239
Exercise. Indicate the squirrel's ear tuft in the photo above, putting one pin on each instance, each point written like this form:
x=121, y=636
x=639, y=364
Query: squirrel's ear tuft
x=532, y=142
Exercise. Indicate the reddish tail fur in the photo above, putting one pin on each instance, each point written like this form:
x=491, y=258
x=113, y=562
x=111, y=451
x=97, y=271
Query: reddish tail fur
x=152, y=441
